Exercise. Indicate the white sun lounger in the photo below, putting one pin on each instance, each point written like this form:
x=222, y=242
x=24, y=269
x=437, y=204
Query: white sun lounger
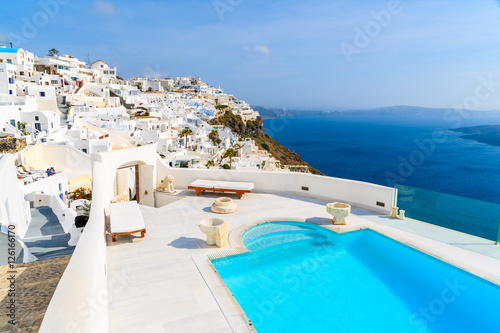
x=221, y=186
x=125, y=218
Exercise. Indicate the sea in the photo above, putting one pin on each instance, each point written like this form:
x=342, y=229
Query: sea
x=433, y=168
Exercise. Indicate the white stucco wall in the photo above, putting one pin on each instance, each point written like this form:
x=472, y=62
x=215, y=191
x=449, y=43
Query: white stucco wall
x=360, y=194
x=14, y=210
x=80, y=302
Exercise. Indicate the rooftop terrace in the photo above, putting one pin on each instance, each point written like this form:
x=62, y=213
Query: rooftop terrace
x=165, y=283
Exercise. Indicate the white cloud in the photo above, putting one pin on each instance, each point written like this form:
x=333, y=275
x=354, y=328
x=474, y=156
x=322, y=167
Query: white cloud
x=104, y=7
x=263, y=49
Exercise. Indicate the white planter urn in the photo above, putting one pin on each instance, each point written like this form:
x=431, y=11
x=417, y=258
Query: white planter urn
x=216, y=231
x=339, y=211
x=223, y=205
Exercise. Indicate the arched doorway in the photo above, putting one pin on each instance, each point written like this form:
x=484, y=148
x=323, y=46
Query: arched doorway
x=135, y=181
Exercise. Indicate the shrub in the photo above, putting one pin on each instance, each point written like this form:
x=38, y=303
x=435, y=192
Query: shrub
x=80, y=193
x=265, y=146
x=226, y=167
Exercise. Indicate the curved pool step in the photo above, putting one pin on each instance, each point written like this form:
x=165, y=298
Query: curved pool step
x=276, y=238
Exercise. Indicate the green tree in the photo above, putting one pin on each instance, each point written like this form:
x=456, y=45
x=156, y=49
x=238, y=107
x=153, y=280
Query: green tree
x=218, y=141
x=52, y=52
x=213, y=136
x=185, y=133
x=210, y=163
x=230, y=153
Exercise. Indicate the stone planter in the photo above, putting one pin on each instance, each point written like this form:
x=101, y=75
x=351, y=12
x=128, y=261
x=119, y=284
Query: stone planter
x=223, y=205
x=339, y=211
x=216, y=231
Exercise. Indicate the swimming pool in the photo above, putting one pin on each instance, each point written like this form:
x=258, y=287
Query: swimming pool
x=299, y=277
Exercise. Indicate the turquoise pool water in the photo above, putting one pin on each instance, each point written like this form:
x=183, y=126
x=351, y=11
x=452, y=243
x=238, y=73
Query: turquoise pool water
x=300, y=277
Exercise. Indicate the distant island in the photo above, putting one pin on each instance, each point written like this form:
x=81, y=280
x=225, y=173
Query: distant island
x=392, y=111
x=489, y=134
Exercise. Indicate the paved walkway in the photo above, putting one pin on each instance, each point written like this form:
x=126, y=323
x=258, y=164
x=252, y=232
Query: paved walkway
x=45, y=237
x=43, y=223
x=162, y=283
x=35, y=284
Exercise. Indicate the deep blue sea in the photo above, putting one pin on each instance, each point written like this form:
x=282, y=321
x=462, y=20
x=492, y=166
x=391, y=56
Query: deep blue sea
x=419, y=152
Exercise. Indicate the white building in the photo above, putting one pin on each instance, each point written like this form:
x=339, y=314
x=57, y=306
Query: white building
x=103, y=72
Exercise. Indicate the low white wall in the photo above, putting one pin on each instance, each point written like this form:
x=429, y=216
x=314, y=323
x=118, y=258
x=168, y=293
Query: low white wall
x=80, y=302
x=49, y=185
x=164, y=198
x=360, y=194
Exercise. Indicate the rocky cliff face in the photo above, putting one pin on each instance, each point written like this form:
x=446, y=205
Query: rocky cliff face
x=255, y=129
x=11, y=145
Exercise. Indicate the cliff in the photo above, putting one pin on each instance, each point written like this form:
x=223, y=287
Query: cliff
x=11, y=145
x=489, y=134
x=255, y=129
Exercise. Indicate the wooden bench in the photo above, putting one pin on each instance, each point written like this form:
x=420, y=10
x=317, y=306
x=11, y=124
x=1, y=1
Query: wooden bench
x=221, y=186
x=125, y=218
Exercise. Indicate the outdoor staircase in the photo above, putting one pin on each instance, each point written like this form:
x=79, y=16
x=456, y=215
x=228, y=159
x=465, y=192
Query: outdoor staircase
x=45, y=237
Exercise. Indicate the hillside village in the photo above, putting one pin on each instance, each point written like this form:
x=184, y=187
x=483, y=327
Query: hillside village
x=56, y=111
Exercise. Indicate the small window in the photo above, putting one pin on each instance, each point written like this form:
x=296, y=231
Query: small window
x=84, y=150
x=13, y=122
x=51, y=125
x=10, y=92
x=60, y=187
x=42, y=93
x=1, y=60
x=37, y=118
x=11, y=80
x=9, y=61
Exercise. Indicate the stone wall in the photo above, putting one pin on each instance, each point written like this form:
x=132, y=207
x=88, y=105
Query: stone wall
x=11, y=145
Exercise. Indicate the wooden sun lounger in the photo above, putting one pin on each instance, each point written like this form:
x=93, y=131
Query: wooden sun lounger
x=125, y=219
x=221, y=186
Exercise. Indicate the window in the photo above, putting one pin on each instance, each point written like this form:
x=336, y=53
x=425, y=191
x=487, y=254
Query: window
x=42, y=93
x=37, y=118
x=10, y=92
x=11, y=80
x=21, y=73
x=46, y=83
x=84, y=150
x=13, y=122
x=9, y=61
x=51, y=125
x=60, y=187
x=1, y=60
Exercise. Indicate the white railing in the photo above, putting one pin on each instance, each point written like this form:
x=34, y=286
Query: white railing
x=364, y=195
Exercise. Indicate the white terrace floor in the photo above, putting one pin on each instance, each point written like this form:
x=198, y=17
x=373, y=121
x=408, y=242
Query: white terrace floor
x=159, y=283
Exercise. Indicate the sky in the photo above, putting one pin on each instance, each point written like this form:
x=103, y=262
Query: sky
x=322, y=54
